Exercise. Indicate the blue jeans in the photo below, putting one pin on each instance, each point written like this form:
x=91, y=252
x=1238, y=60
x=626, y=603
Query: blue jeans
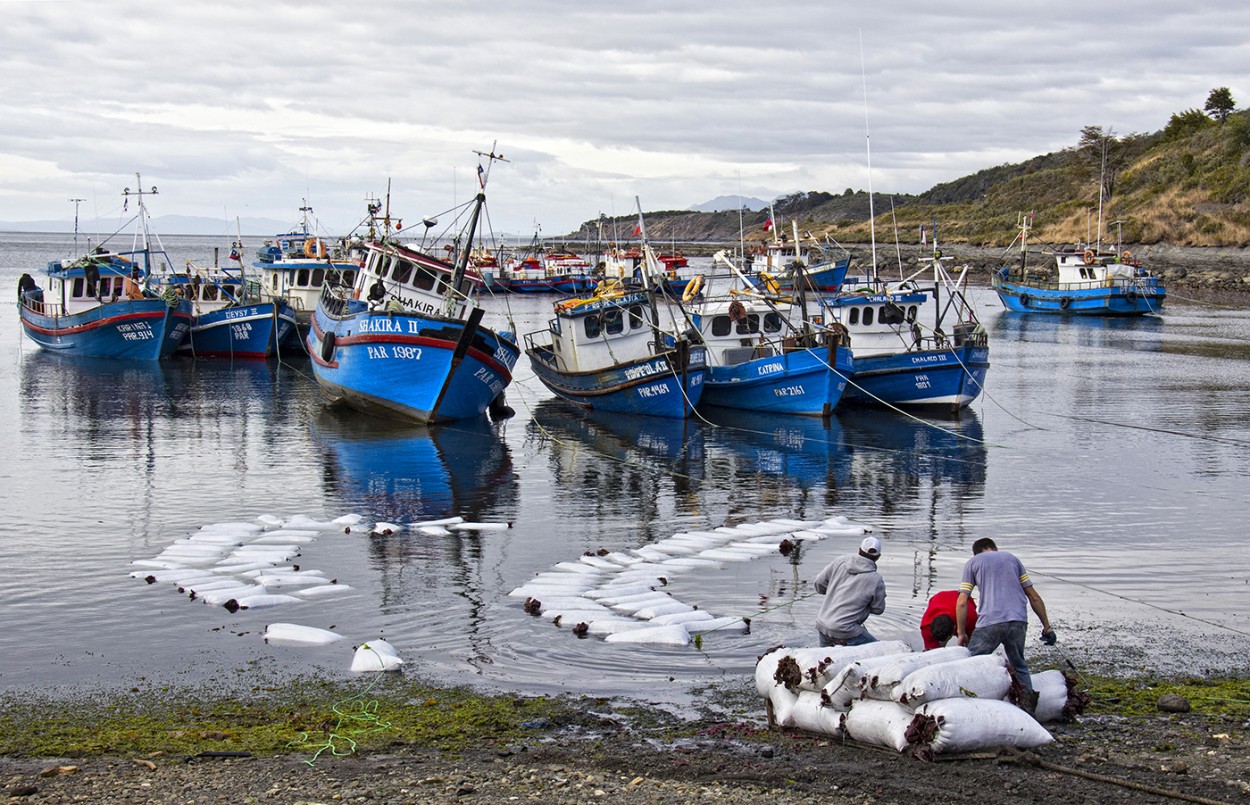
x=858, y=640
x=1009, y=635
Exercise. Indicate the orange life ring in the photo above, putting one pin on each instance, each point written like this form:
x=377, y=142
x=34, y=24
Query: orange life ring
x=1090, y=257
x=1126, y=256
x=314, y=248
x=692, y=288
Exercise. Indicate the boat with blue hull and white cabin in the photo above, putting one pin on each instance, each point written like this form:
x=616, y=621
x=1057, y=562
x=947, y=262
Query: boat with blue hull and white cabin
x=916, y=342
x=614, y=351
x=228, y=318
x=106, y=304
x=406, y=341
x=822, y=266
x=764, y=352
x=1080, y=281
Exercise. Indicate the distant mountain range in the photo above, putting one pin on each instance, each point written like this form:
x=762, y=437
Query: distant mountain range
x=724, y=203
x=164, y=225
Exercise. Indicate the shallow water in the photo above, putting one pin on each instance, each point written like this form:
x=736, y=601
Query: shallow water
x=1111, y=456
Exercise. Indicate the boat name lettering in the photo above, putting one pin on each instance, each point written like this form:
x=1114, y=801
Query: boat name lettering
x=646, y=370
x=379, y=325
x=770, y=369
x=929, y=358
x=789, y=391
x=413, y=304
x=488, y=377
x=240, y=313
x=135, y=331
x=652, y=391
x=505, y=356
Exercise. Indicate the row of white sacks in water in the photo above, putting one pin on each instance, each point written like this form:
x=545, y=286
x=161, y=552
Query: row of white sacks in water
x=615, y=595
x=883, y=693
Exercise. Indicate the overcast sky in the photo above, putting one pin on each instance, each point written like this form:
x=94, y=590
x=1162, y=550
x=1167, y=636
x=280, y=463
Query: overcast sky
x=246, y=108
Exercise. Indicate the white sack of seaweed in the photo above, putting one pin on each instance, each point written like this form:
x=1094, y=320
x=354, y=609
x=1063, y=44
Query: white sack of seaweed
x=884, y=694
x=620, y=594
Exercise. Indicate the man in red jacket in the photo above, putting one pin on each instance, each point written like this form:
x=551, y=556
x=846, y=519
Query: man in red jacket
x=938, y=624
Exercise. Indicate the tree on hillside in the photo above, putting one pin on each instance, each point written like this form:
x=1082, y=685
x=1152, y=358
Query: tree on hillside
x=1220, y=103
x=1182, y=124
x=1103, y=155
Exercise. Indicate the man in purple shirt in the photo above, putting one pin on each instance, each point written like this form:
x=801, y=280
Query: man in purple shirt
x=1002, y=610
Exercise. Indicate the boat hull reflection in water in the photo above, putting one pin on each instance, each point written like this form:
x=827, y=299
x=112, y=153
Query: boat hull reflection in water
x=410, y=473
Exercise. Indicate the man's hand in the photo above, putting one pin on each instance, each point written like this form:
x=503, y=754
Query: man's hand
x=1049, y=637
x=963, y=639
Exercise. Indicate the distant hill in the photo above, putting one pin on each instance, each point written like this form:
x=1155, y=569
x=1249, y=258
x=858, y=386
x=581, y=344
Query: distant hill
x=735, y=203
x=164, y=225
x=1185, y=185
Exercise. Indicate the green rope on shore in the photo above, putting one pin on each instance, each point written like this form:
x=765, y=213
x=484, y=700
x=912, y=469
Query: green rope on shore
x=357, y=717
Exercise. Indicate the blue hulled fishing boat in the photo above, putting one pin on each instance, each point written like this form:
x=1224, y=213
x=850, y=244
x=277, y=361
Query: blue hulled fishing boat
x=406, y=341
x=229, y=319
x=1081, y=281
x=105, y=304
x=612, y=352
x=295, y=265
x=765, y=353
x=915, y=342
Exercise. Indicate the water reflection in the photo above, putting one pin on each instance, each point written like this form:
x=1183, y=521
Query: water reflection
x=407, y=473
x=636, y=467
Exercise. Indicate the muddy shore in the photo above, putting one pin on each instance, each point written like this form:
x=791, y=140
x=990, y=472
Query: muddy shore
x=590, y=750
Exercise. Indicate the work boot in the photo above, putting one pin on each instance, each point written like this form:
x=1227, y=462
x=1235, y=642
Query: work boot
x=1028, y=701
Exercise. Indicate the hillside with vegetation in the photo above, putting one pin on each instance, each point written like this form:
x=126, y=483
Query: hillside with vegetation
x=1186, y=185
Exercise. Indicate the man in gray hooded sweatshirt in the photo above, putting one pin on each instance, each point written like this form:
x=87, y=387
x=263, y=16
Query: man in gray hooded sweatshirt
x=853, y=590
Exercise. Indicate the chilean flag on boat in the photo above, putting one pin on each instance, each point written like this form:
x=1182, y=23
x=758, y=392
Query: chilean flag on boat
x=768, y=225
x=481, y=176
x=637, y=229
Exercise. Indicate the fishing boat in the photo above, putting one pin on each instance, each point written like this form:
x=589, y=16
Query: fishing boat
x=406, y=341
x=230, y=319
x=1081, y=280
x=915, y=342
x=294, y=266
x=541, y=271
x=820, y=265
x=612, y=352
x=764, y=352
x=105, y=304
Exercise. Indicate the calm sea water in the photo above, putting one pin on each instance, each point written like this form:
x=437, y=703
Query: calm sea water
x=1111, y=456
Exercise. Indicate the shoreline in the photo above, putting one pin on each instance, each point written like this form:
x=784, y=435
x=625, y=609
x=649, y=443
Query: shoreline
x=439, y=744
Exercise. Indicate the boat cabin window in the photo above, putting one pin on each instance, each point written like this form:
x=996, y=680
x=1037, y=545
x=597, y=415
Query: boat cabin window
x=852, y=316
x=230, y=290
x=772, y=322
x=636, y=317
x=105, y=287
x=208, y=292
x=613, y=321
x=301, y=278
x=911, y=313
x=318, y=277
x=720, y=325
x=867, y=315
x=424, y=280
x=592, y=325
x=751, y=324
x=78, y=286
x=891, y=314
x=403, y=270
x=273, y=280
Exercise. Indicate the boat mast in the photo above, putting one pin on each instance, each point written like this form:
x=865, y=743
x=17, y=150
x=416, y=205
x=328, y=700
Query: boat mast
x=76, y=202
x=646, y=276
x=872, y=217
x=462, y=257
x=139, y=193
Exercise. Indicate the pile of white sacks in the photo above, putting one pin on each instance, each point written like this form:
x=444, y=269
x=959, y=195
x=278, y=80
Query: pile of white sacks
x=619, y=595
x=253, y=565
x=883, y=693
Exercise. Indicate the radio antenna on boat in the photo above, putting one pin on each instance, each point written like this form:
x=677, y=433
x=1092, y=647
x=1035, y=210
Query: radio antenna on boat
x=76, y=202
x=872, y=217
x=483, y=174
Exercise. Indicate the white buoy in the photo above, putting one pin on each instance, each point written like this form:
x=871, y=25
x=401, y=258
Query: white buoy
x=376, y=655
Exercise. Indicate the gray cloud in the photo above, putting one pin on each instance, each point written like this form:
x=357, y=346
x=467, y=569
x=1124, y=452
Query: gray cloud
x=245, y=109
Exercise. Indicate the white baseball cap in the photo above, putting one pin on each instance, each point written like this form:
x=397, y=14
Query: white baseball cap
x=871, y=546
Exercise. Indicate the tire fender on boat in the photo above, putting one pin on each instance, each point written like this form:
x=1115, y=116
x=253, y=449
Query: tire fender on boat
x=1024, y=300
x=327, y=347
x=1131, y=296
x=1064, y=302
